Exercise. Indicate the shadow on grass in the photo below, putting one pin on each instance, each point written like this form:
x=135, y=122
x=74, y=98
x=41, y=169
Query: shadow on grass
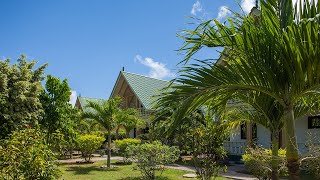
x=139, y=178
x=78, y=170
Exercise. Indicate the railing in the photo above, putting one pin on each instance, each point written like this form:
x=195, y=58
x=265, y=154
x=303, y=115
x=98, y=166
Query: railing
x=144, y=112
x=235, y=147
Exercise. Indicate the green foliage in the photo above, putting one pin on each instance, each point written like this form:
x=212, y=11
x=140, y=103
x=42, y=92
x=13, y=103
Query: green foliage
x=151, y=157
x=207, y=149
x=105, y=114
x=128, y=119
x=88, y=144
x=122, y=145
x=311, y=160
x=59, y=117
x=259, y=162
x=24, y=155
x=121, y=134
x=20, y=86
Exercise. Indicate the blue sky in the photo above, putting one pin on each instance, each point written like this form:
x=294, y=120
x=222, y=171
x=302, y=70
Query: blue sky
x=88, y=42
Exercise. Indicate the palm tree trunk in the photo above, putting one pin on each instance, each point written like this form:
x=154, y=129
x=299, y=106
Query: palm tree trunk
x=117, y=133
x=109, y=149
x=275, y=155
x=292, y=147
x=127, y=133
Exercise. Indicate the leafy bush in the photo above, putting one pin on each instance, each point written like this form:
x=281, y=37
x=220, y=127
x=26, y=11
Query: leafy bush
x=88, y=144
x=207, y=149
x=311, y=161
x=258, y=162
x=151, y=157
x=24, y=155
x=122, y=145
x=122, y=135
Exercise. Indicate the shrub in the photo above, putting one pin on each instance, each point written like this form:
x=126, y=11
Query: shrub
x=122, y=145
x=88, y=144
x=24, y=155
x=311, y=161
x=121, y=133
x=207, y=149
x=258, y=162
x=151, y=157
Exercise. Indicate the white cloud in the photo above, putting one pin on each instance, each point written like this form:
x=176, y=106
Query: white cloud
x=157, y=69
x=73, y=98
x=247, y=5
x=196, y=7
x=223, y=12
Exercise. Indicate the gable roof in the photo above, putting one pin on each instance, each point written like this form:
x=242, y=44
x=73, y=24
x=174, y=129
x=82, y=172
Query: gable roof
x=84, y=101
x=143, y=87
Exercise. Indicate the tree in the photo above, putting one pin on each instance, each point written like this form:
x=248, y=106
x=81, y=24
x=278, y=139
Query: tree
x=20, y=86
x=105, y=114
x=128, y=119
x=276, y=54
x=58, y=113
x=25, y=155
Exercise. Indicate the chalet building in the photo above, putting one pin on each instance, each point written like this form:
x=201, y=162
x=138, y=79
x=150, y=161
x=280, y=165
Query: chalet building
x=137, y=92
x=82, y=102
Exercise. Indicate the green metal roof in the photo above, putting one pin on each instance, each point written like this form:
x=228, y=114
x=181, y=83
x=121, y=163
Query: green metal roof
x=144, y=87
x=84, y=101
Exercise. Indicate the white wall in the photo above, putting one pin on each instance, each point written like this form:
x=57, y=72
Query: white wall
x=303, y=133
x=263, y=136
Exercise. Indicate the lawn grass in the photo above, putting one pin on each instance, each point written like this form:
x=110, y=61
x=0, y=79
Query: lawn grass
x=126, y=172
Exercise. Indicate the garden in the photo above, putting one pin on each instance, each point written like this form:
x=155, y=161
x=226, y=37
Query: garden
x=268, y=73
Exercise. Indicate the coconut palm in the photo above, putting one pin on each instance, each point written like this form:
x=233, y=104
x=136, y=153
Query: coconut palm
x=277, y=53
x=128, y=119
x=104, y=113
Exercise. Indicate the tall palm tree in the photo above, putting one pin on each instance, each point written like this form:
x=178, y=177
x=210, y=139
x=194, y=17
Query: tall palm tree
x=277, y=54
x=104, y=113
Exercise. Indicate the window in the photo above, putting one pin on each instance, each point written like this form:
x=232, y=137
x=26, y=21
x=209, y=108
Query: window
x=314, y=122
x=243, y=127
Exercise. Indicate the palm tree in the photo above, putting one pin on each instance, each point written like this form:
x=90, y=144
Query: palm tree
x=128, y=119
x=104, y=113
x=277, y=54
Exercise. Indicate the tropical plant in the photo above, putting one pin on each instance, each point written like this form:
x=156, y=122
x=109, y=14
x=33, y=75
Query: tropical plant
x=259, y=162
x=88, y=144
x=104, y=113
x=311, y=160
x=207, y=149
x=20, y=86
x=59, y=118
x=276, y=53
x=151, y=157
x=24, y=155
x=122, y=146
x=128, y=119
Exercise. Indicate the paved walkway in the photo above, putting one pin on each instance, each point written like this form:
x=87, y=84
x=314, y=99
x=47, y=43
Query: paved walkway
x=93, y=159
x=232, y=171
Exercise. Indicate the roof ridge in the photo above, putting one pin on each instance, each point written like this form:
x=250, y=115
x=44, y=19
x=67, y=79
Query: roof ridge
x=91, y=97
x=144, y=76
